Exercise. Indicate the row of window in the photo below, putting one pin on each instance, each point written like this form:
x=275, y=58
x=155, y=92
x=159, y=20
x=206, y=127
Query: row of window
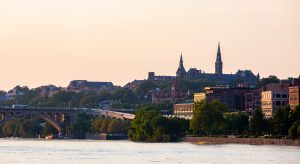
x=190, y=111
x=275, y=95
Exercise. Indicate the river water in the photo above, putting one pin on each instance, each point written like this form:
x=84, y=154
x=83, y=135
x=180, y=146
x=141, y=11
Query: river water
x=89, y=151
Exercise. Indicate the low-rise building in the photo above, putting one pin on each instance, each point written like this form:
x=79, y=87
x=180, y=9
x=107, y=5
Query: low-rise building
x=199, y=97
x=274, y=96
x=270, y=101
x=184, y=110
x=294, y=97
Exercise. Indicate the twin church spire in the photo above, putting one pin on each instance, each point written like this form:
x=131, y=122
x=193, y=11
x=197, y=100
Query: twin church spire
x=181, y=73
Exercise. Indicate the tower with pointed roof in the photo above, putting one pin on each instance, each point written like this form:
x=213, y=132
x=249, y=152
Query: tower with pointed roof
x=219, y=63
x=181, y=73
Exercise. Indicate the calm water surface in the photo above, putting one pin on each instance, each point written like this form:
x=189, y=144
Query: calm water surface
x=86, y=151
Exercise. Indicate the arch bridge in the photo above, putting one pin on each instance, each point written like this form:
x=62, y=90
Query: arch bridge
x=56, y=116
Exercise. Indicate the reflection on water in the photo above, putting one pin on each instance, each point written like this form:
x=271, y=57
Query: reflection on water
x=86, y=151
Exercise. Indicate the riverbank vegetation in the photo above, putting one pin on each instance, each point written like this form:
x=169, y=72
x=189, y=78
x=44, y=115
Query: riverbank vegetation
x=150, y=126
x=211, y=118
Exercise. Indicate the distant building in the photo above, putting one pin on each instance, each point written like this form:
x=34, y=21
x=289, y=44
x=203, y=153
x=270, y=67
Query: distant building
x=88, y=86
x=134, y=84
x=245, y=76
x=274, y=96
x=17, y=91
x=232, y=97
x=171, y=95
x=294, y=97
x=253, y=100
x=198, y=97
x=49, y=91
x=184, y=110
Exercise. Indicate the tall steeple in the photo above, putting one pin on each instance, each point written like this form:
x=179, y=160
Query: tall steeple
x=181, y=73
x=181, y=61
x=219, y=63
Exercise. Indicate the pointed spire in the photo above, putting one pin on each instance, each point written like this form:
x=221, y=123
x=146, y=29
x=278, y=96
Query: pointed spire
x=219, y=63
x=181, y=73
x=181, y=61
x=219, y=53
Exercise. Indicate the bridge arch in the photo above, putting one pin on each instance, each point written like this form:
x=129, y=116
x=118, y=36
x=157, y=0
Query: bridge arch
x=6, y=116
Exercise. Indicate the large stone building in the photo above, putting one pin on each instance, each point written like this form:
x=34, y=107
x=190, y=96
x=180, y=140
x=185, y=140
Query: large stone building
x=87, y=86
x=245, y=76
x=172, y=95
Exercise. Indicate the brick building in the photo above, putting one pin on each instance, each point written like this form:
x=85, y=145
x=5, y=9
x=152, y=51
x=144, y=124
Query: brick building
x=232, y=97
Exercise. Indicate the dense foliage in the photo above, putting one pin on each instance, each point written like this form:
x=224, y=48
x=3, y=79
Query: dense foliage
x=26, y=127
x=208, y=117
x=150, y=126
x=267, y=80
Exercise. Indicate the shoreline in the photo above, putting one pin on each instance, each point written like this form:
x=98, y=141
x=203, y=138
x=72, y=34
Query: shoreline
x=248, y=141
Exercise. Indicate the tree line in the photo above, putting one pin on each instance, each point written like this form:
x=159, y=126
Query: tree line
x=211, y=118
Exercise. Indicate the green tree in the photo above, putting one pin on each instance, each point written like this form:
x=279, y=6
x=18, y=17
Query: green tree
x=81, y=126
x=280, y=121
x=149, y=125
x=30, y=128
x=208, y=116
x=293, y=130
x=257, y=123
x=237, y=123
x=268, y=80
x=10, y=128
x=104, y=125
x=49, y=130
x=115, y=126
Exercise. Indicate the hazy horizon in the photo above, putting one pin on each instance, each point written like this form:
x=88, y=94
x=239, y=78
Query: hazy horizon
x=53, y=42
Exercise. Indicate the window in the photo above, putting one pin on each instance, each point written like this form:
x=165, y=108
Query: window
x=278, y=103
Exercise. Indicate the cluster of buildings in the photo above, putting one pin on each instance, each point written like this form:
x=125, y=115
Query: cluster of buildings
x=175, y=93
x=50, y=90
x=268, y=98
x=219, y=78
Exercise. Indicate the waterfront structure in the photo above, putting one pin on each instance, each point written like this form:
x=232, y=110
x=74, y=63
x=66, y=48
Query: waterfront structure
x=253, y=100
x=86, y=86
x=219, y=78
x=294, y=93
x=294, y=97
x=183, y=110
x=56, y=116
x=274, y=96
x=232, y=97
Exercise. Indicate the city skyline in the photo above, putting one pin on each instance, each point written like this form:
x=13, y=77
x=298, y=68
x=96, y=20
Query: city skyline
x=53, y=42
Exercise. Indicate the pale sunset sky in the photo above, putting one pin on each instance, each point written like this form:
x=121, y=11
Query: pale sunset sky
x=55, y=41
